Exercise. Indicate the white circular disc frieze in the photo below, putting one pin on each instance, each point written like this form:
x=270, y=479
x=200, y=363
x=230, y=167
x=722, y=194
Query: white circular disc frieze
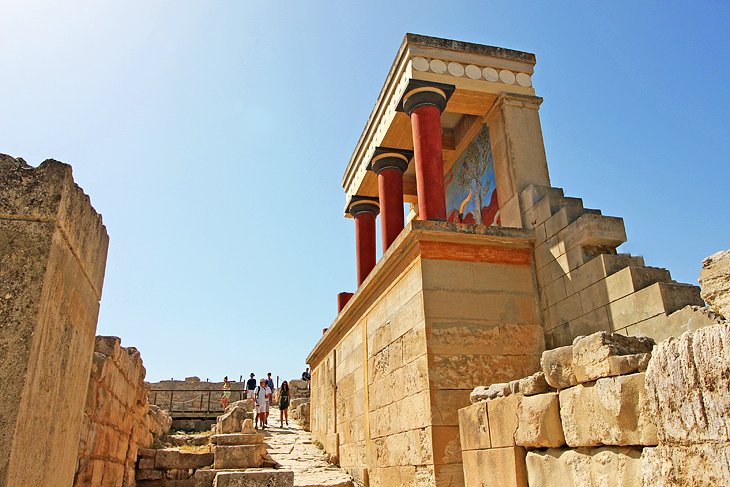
x=473, y=72
x=438, y=66
x=490, y=74
x=456, y=69
x=420, y=64
x=507, y=77
x=523, y=79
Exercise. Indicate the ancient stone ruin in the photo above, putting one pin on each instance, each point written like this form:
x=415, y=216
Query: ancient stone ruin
x=499, y=288
x=501, y=339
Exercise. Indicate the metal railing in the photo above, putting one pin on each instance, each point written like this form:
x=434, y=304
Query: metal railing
x=203, y=401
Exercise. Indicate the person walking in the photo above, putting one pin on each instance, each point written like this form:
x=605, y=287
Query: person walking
x=262, y=394
x=284, y=404
x=250, y=386
x=270, y=383
x=226, y=397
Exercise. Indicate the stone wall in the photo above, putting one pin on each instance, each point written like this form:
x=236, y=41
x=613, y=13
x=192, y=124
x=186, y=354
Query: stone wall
x=53, y=249
x=593, y=416
x=385, y=396
x=585, y=285
x=117, y=417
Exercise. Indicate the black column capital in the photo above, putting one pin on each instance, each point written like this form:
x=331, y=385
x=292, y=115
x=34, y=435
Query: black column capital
x=362, y=204
x=388, y=158
x=419, y=93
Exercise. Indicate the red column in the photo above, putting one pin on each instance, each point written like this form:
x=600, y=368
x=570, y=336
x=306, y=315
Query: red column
x=424, y=107
x=342, y=300
x=390, y=166
x=364, y=213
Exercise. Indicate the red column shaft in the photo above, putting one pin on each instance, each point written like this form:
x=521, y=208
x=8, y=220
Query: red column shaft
x=342, y=299
x=427, y=147
x=364, y=244
x=390, y=192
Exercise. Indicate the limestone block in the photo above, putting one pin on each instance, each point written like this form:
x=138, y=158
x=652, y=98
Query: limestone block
x=503, y=422
x=539, y=422
x=269, y=478
x=482, y=393
x=204, y=477
x=231, y=421
x=237, y=439
x=610, y=411
x=605, y=354
x=534, y=384
x=497, y=467
x=604, y=466
x=715, y=282
x=557, y=365
x=176, y=459
x=474, y=427
x=687, y=384
x=703, y=465
x=238, y=456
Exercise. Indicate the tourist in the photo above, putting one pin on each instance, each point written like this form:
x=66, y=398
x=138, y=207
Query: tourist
x=262, y=394
x=226, y=397
x=270, y=383
x=306, y=375
x=284, y=404
x=250, y=386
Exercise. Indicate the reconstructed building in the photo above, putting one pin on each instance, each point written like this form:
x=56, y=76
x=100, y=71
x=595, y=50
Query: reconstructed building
x=492, y=267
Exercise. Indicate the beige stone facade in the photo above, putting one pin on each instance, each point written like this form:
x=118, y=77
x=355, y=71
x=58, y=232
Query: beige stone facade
x=53, y=249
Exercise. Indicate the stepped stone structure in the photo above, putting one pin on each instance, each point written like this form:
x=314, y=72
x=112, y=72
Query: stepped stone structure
x=53, y=249
x=491, y=267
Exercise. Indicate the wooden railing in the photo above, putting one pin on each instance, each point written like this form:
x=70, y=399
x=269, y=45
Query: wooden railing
x=203, y=401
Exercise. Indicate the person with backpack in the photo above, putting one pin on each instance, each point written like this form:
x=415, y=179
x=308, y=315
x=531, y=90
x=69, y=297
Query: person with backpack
x=261, y=395
x=284, y=404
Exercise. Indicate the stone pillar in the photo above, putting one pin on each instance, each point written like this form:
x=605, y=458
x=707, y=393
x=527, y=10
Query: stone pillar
x=342, y=300
x=389, y=165
x=424, y=105
x=364, y=210
x=53, y=249
x=518, y=150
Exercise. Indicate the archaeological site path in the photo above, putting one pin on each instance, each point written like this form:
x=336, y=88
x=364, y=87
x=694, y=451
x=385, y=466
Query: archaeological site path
x=294, y=449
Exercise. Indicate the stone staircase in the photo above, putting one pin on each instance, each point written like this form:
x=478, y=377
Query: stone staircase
x=586, y=285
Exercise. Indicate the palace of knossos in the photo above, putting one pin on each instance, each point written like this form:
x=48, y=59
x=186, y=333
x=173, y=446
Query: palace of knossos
x=501, y=340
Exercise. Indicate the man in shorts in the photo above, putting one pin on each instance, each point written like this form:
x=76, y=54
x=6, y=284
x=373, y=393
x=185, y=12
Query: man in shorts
x=250, y=386
x=262, y=394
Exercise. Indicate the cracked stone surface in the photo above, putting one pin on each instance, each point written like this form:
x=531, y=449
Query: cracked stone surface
x=294, y=449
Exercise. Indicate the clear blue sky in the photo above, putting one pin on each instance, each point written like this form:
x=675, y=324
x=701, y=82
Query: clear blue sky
x=212, y=136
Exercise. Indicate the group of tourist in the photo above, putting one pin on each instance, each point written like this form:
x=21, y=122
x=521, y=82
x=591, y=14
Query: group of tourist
x=262, y=395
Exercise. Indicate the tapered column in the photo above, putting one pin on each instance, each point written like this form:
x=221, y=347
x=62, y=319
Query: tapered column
x=342, y=300
x=364, y=211
x=389, y=165
x=424, y=105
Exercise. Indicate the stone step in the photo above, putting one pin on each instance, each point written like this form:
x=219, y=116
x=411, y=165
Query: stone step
x=255, y=478
x=238, y=456
x=232, y=439
x=661, y=298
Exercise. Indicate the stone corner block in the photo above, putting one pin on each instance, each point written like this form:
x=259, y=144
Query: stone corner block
x=474, y=427
x=605, y=354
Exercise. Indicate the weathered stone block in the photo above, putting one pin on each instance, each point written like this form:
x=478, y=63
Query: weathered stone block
x=237, y=439
x=503, y=422
x=534, y=384
x=687, y=384
x=269, y=478
x=604, y=466
x=715, y=282
x=557, y=365
x=482, y=393
x=605, y=354
x=239, y=456
x=231, y=421
x=539, y=422
x=703, y=465
x=610, y=411
x=474, y=427
x=497, y=467
x=176, y=459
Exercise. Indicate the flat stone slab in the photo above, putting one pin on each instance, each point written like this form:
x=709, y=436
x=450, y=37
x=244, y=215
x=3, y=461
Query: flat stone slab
x=237, y=439
x=238, y=456
x=255, y=478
